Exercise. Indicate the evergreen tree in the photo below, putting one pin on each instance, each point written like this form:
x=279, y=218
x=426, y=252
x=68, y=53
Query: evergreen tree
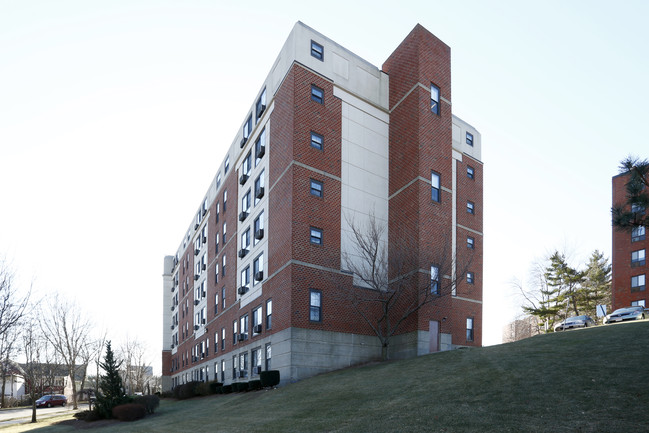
x=632, y=213
x=110, y=385
x=597, y=284
x=567, y=283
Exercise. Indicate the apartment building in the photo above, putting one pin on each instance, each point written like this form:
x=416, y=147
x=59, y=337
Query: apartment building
x=629, y=264
x=330, y=141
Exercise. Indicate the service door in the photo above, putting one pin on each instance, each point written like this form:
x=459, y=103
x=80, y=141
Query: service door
x=433, y=332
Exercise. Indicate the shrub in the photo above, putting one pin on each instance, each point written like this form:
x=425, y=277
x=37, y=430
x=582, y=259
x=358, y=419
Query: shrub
x=226, y=389
x=129, y=412
x=269, y=378
x=254, y=385
x=185, y=391
x=214, y=386
x=203, y=389
x=150, y=402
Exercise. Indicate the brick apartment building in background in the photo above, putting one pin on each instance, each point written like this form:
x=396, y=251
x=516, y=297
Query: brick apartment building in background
x=329, y=139
x=629, y=264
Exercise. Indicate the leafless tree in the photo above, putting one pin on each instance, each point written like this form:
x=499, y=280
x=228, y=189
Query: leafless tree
x=34, y=369
x=67, y=330
x=134, y=372
x=387, y=288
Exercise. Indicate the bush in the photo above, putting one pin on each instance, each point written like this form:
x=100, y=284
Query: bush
x=214, y=386
x=185, y=391
x=129, y=412
x=203, y=389
x=254, y=385
x=150, y=402
x=269, y=378
x=226, y=389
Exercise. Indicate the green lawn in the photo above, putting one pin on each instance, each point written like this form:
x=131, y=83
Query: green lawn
x=591, y=380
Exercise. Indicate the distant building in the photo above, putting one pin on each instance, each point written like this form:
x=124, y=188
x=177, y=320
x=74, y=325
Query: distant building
x=14, y=383
x=520, y=329
x=329, y=137
x=629, y=264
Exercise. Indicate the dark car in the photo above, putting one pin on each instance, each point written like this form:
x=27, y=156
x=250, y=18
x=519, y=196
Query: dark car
x=628, y=313
x=574, y=322
x=51, y=400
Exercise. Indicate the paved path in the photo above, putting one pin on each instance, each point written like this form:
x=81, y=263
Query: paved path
x=20, y=415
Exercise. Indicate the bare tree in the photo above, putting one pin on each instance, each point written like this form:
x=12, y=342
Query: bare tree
x=135, y=369
x=34, y=369
x=67, y=330
x=387, y=288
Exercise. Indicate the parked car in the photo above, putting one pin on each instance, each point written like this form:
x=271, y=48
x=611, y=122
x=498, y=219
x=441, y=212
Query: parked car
x=574, y=322
x=51, y=400
x=628, y=313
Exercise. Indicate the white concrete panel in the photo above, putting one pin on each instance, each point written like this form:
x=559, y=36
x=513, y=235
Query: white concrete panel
x=355, y=132
x=341, y=66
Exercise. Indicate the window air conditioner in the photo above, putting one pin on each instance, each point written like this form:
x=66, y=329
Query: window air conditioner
x=243, y=179
x=260, y=192
x=243, y=142
x=259, y=234
x=204, y=266
x=196, y=327
x=242, y=253
x=258, y=369
x=257, y=329
x=196, y=302
x=259, y=276
x=261, y=152
x=243, y=215
x=196, y=277
x=242, y=337
x=196, y=251
x=242, y=290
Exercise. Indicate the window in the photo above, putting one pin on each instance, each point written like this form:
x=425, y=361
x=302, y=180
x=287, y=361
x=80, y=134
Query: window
x=243, y=364
x=469, y=139
x=470, y=277
x=225, y=202
x=216, y=303
x=245, y=239
x=638, y=258
x=636, y=208
x=223, y=370
x=316, y=236
x=225, y=233
x=244, y=326
x=260, y=106
x=245, y=281
x=317, y=50
x=315, y=305
x=640, y=303
x=222, y=344
x=434, y=99
x=216, y=244
x=218, y=180
x=638, y=234
x=469, y=329
x=434, y=280
x=245, y=205
x=223, y=299
x=260, y=147
x=317, y=94
x=470, y=173
x=226, y=166
x=246, y=166
x=216, y=274
x=638, y=283
x=218, y=210
x=435, y=187
x=268, y=356
x=470, y=242
x=256, y=320
x=235, y=332
x=247, y=129
x=258, y=227
x=223, y=265
x=258, y=269
x=256, y=361
x=259, y=187
x=470, y=207
x=316, y=188
x=269, y=314
x=317, y=140
x=235, y=364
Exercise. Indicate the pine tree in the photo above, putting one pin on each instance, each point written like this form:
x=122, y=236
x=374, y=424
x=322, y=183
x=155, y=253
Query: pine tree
x=597, y=284
x=567, y=282
x=632, y=213
x=110, y=385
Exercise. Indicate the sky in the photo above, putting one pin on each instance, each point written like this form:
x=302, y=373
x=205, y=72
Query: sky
x=115, y=115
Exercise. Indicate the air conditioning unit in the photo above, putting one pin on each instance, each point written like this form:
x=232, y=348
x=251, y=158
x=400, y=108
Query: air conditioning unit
x=203, y=293
x=256, y=329
x=172, y=346
x=172, y=327
x=204, y=211
x=260, y=192
x=203, y=321
x=257, y=369
x=260, y=110
x=242, y=253
x=196, y=327
x=261, y=152
x=259, y=234
x=196, y=302
x=243, y=179
x=243, y=142
x=259, y=276
x=204, y=266
x=196, y=251
x=204, y=239
x=196, y=277
x=172, y=308
x=243, y=215
x=242, y=290
x=243, y=373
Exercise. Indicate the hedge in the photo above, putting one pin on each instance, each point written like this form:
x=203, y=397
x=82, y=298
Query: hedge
x=269, y=378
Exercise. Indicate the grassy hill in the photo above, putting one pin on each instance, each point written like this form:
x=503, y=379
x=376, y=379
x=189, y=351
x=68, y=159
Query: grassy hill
x=591, y=380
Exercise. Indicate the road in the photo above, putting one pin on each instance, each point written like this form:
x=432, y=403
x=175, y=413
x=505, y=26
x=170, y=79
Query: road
x=20, y=415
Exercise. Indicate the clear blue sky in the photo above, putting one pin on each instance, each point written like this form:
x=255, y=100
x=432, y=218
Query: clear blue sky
x=114, y=116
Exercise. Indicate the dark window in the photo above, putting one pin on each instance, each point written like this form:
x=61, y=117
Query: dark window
x=434, y=99
x=637, y=283
x=435, y=187
x=638, y=258
x=469, y=329
x=260, y=107
x=434, y=280
x=247, y=129
x=316, y=140
x=317, y=50
x=317, y=94
x=268, y=356
x=470, y=242
x=470, y=278
x=470, y=207
x=469, y=139
x=227, y=165
x=638, y=234
x=315, y=305
x=269, y=314
x=470, y=173
x=316, y=236
x=316, y=188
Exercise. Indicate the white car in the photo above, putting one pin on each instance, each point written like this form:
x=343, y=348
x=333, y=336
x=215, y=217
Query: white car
x=628, y=313
x=574, y=322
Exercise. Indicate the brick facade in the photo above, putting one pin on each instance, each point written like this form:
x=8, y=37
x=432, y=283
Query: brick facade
x=350, y=118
